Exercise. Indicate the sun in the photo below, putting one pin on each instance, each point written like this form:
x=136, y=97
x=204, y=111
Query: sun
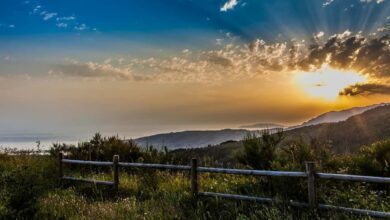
x=327, y=82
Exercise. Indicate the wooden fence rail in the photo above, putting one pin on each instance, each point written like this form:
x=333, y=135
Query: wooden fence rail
x=311, y=175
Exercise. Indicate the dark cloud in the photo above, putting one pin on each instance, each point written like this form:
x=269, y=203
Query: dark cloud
x=366, y=55
x=365, y=89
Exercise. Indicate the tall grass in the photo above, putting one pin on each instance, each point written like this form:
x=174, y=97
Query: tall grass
x=30, y=188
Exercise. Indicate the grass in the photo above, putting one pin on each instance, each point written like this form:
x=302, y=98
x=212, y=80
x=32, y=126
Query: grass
x=30, y=188
x=166, y=195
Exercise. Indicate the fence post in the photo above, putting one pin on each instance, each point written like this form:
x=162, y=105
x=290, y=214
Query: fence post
x=194, y=178
x=311, y=183
x=115, y=161
x=60, y=171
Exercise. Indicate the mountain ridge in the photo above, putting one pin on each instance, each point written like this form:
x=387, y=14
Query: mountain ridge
x=203, y=138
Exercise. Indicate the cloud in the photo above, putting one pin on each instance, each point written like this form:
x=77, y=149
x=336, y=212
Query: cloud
x=368, y=56
x=90, y=70
x=81, y=27
x=369, y=1
x=69, y=18
x=229, y=5
x=62, y=25
x=36, y=9
x=365, y=89
x=61, y=21
x=230, y=62
x=328, y=2
x=48, y=15
x=7, y=25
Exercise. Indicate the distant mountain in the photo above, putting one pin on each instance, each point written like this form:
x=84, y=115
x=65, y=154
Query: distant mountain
x=192, y=139
x=347, y=136
x=347, y=129
x=263, y=126
x=337, y=116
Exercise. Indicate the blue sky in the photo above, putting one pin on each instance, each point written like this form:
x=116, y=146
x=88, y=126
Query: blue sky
x=248, y=19
x=128, y=64
x=174, y=24
x=93, y=30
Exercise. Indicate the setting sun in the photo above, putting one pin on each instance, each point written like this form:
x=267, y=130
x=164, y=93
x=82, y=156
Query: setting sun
x=327, y=82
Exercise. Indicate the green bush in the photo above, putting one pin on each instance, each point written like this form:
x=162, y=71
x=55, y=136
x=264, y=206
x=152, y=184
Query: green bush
x=104, y=148
x=23, y=179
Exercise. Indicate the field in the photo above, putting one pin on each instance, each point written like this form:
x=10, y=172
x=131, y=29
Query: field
x=31, y=188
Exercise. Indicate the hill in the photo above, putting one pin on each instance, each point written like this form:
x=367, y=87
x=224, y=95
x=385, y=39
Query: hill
x=263, y=126
x=192, y=139
x=347, y=136
x=337, y=116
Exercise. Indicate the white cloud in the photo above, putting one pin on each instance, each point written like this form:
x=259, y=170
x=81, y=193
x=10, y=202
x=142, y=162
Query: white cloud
x=7, y=25
x=369, y=1
x=319, y=34
x=36, y=9
x=230, y=62
x=229, y=5
x=81, y=27
x=327, y=2
x=69, y=18
x=48, y=15
x=61, y=21
x=62, y=25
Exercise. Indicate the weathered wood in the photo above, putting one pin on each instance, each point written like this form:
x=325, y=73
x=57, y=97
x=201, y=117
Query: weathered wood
x=88, y=180
x=251, y=172
x=194, y=177
x=347, y=177
x=311, y=184
x=60, y=169
x=356, y=211
x=155, y=166
x=271, y=201
x=115, y=161
x=310, y=174
x=88, y=162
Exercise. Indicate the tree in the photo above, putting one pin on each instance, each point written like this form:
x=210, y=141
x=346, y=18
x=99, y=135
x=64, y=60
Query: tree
x=259, y=152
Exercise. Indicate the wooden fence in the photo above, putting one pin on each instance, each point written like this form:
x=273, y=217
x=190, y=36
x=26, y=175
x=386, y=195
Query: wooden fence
x=311, y=175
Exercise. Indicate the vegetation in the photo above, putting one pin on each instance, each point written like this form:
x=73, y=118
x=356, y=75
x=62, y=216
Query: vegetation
x=30, y=188
x=348, y=136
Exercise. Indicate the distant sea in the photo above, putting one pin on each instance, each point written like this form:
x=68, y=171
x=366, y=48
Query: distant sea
x=31, y=141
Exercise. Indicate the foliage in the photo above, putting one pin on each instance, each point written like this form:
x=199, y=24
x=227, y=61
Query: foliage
x=374, y=159
x=259, y=152
x=30, y=188
x=104, y=148
x=23, y=179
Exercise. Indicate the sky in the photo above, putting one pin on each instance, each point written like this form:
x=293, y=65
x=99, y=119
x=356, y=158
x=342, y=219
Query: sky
x=71, y=68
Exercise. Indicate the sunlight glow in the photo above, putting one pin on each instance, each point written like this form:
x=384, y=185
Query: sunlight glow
x=327, y=82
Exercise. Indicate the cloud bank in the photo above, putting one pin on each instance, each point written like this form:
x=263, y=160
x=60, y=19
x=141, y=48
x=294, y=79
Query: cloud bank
x=369, y=56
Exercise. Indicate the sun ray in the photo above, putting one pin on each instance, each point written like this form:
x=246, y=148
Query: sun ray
x=327, y=82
